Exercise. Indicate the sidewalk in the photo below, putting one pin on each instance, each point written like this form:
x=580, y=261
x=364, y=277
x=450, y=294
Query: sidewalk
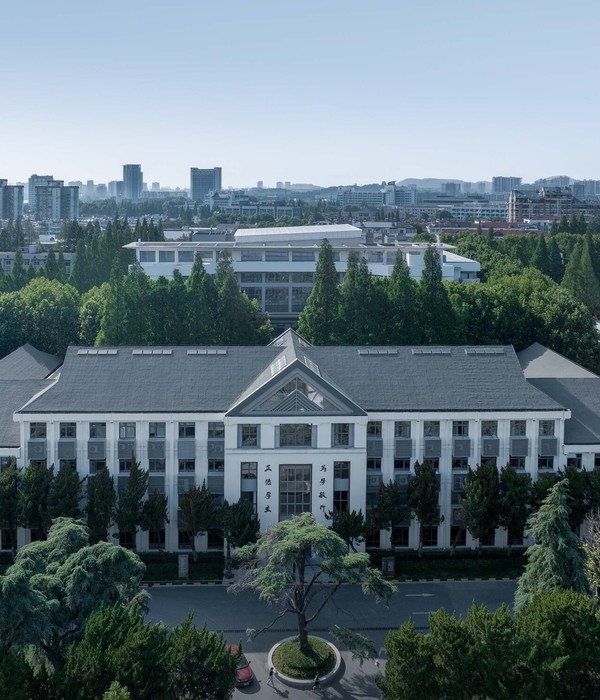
x=355, y=681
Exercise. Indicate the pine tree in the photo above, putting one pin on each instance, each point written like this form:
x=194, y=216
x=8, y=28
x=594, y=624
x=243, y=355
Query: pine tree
x=51, y=266
x=33, y=497
x=403, y=297
x=541, y=258
x=358, y=313
x=128, y=516
x=201, y=304
x=580, y=278
x=240, y=526
x=557, y=559
x=556, y=266
x=197, y=513
x=481, y=501
x=19, y=276
x=9, y=500
x=154, y=515
x=319, y=321
x=65, y=494
x=423, y=497
x=516, y=500
x=439, y=320
x=100, y=508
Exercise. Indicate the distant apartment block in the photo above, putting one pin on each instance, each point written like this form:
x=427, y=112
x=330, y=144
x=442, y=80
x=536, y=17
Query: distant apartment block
x=203, y=181
x=11, y=201
x=550, y=201
x=276, y=266
x=51, y=200
x=504, y=185
x=33, y=257
x=389, y=195
x=133, y=182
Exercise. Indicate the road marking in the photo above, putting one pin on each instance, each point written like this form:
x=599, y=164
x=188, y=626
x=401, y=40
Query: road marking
x=419, y=595
x=428, y=612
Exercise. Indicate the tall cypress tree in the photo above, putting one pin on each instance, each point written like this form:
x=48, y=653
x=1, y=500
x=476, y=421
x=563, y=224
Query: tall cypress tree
x=540, y=257
x=319, y=322
x=440, y=323
x=357, y=312
x=201, y=304
x=556, y=269
x=580, y=278
x=402, y=292
x=19, y=276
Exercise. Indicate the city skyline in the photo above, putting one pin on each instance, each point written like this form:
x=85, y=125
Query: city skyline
x=281, y=91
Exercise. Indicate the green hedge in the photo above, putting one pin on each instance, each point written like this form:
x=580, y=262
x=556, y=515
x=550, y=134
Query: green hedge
x=209, y=566
x=289, y=660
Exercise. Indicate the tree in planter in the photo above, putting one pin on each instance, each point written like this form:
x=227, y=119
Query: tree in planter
x=64, y=496
x=33, y=498
x=240, y=526
x=350, y=526
x=481, y=501
x=285, y=580
x=557, y=559
x=128, y=516
x=154, y=515
x=197, y=513
x=423, y=497
x=516, y=499
x=9, y=500
x=101, y=500
x=391, y=508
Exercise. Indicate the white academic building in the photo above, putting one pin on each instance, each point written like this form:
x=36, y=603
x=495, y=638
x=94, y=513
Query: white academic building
x=293, y=427
x=276, y=266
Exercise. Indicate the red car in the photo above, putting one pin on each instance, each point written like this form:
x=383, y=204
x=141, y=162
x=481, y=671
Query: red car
x=243, y=674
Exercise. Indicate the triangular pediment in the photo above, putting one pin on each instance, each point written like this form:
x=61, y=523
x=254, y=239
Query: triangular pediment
x=296, y=391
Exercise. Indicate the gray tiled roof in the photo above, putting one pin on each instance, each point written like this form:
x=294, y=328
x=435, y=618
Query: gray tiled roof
x=456, y=380
x=539, y=361
x=15, y=393
x=27, y=362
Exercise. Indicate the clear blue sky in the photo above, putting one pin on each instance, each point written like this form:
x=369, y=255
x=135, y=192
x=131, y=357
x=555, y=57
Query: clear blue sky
x=320, y=91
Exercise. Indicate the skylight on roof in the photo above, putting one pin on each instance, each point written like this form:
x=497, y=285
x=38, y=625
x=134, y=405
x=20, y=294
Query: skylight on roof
x=377, y=351
x=97, y=351
x=207, y=351
x=484, y=351
x=431, y=351
x=151, y=351
x=278, y=365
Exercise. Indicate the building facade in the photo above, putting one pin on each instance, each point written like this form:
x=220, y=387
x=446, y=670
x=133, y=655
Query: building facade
x=203, y=181
x=294, y=428
x=133, y=182
x=11, y=201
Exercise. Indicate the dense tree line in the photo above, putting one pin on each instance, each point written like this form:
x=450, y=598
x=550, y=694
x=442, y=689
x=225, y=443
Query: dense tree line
x=516, y=305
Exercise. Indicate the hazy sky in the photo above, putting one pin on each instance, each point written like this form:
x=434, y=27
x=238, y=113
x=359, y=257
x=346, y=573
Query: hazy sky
x=319, y=91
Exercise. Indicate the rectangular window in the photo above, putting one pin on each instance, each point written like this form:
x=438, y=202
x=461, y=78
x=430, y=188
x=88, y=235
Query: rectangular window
x=67, y=464
x=547, y=428
x=37, y=430
x=517, y=462
x=518, y=428
x=9, y=539
x=126, y=431
x=187, y=465
x=340, y=501
x=126, y=540
x=302, y=277
x=434, y=461
x=156, y=539
x=294, y=489
x=277, y=299
x=147, y=256
x=97, y=430
x=341, y=435
x=430, y=537
x=277, y=256
x=68, y=430
x=248, y=436
x=184, y=540
x=157, y=430
x=400, y=536
x=489, y=428
x=166, y=256
x=458, y=536
x=545, y=462
x=341, y=470
x=214, y=539
x=187, y=430
x=207, y=256
x=489, y=460
x=96, y=465
x=156, y=465
x=431, y=428
x=295, y=435
x=39, y=463
x=300, y=297
x=249, y=470
x=252, y=255
x=488, y=540
x=253, y=293
x=401, y=463
x=374, y=428
x=303, y=256
x=460, y=462
x=216, y=466
x=372, y=540
x=460, y=428
x=216, y=431
x=374, y=463
x=277, y=277
x=185, y=256
x=596, y=461
x=124, y=465
x=251, y=277
x=402, y=429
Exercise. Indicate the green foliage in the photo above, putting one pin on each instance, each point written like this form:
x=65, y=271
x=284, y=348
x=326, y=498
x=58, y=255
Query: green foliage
x=64, y=494
x=240, y=525
x=201, y=665
x=349, y=525
x=423, y=497
x=319, y=322
x=481, y=501
x=154, y=512
x=197, y=512
x=116, y=692
x=129, y=516
x=9, y=499
x=391, y=507
x=16, y=677
x=33, y=497
x=591, y=546
x=515, y=502
x=557, y=559
x=404, y=313
x=100, y=508
x=439, y=323
x=290, y=660
x=580, y=277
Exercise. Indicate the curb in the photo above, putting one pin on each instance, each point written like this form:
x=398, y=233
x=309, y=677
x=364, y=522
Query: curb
x=306, y=684
x=403, y=579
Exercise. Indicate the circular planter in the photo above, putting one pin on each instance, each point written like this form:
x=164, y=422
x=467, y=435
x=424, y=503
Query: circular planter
x=300, y=682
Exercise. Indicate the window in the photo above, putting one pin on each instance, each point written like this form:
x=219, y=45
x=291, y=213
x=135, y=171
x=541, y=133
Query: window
x=38, y=463
x=277, y=299
x=431, y=428
x=184, y=540
x=277, y=277
x=434, y=461
x=596, y=461
x=341, y=470
x=460, y=428
x=67, y=464
x=157, y=430
x=277, y=256
x=372, y=539
x=216, y=431
x=68, y=430
x=518, y=428
x=374, y=429
x=340, y=501
x=127, y=540
x=489, y=460
x=402, y=464
x=214, y=539
x=96, y=465
x=124, y=465
x=488, y=540
x=547, y=428
x=341, y=435
x=517, y=462
x=295, y=435
x=185, y=256
x=166, y=256
x=156, y=465
x=249, y=470
x=251, y=277
x=302, y=277
x=126, y=431
x=248, y=436
x=374, y=463
x=458, y=536
x=300, y=297
x=97, y=430
x=402, y=429
x=156, y=539
x=216, y=465
x=545, y=462
x=9, y=539
x=187, y=465
x=37, y=430
x=251, y=255
x=460, y=463
x=187, y=430
x=294, y=489
x=400, y=536
x=303, y=256
x=147, y=256
x=489, y=428
x=430, y=537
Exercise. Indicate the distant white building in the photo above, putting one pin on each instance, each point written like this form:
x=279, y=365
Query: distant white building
x=276, y=266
